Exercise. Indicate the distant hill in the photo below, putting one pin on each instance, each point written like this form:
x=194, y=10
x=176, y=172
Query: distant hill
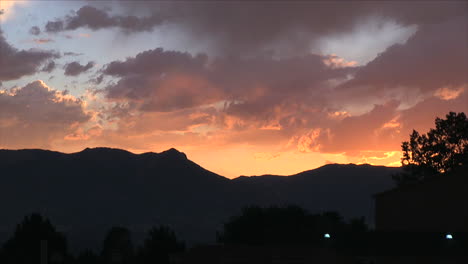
x=85, y=193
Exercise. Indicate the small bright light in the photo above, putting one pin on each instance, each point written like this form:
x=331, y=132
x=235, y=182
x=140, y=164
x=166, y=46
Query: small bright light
x=449, y=236
x=326, y=235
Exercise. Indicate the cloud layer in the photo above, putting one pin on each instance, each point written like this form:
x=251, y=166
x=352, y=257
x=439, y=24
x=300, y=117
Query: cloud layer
x=36, y=115
x=16, y=63
x=260, y=89
x=249, y=26
x=94, y=19
x=436, y=56
x=75, y=68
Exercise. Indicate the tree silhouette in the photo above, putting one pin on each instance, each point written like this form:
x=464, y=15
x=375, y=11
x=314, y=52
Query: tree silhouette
x=286, y=225
x=35, y=238
x=441, y=150
x=158, y=245
x=87, y=257
x=273, y=225
x=117, y=247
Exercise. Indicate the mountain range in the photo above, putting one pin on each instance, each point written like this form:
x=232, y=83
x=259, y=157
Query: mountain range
x=87, y=192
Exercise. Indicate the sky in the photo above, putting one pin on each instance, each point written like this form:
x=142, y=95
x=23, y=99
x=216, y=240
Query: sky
x=241, y=87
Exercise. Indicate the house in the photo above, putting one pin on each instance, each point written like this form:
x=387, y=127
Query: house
x=439, y=204
x=425, y=222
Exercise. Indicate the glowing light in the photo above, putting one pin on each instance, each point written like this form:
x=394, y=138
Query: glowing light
x=449, y=236
x=327, y=236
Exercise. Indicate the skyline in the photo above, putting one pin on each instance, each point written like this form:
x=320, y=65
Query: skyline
x=243, y=88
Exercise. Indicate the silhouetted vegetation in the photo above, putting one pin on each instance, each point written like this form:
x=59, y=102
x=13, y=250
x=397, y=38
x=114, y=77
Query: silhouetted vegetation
x=286, y=226
x=291, y=226
x=441, y=150
x=117, y=246
x=34, y=238
x=159, y=244
x=274, y=227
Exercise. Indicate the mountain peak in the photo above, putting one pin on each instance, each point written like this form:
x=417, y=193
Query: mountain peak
x=172, y=152
x=102, y=150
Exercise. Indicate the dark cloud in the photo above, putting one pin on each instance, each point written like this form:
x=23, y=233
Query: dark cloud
x=250, y=26
x=164, y=80
x=49, y=67
x=35, y=115
x=168, y=80
x=75, y=68
x=54, y=26
x=72, y=54
x=434, y=57
x=16, y=63
x=97, y=80
x=93, y=18
x=35, y=31
x=292, y=27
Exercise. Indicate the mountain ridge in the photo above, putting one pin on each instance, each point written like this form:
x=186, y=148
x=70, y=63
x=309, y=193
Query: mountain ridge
x=90, y=190
x=176, y=153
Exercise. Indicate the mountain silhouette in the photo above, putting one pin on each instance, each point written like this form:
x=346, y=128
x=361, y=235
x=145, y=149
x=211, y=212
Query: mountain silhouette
x=87, y=192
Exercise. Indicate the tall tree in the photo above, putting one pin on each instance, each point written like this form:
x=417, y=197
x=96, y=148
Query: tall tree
x=160, y=243
x=443, y=149
x=118, y=246
x=35, y=238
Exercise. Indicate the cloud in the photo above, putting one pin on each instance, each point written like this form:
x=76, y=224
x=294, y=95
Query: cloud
x=382, y=129
x=16, y=63
x=450, y=93
x=159, y=80
x=49, y=67
x=435, y=56
x=75, y=68
x=247, y=27
x=54, y=26
x=35, y=115
x=72, y=54
x=259, y=84
x=35, y=31
x=356, y=133
x=95, y=19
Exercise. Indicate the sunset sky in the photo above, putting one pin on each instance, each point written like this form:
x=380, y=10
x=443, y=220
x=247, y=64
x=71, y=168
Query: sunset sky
x=243, y=88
